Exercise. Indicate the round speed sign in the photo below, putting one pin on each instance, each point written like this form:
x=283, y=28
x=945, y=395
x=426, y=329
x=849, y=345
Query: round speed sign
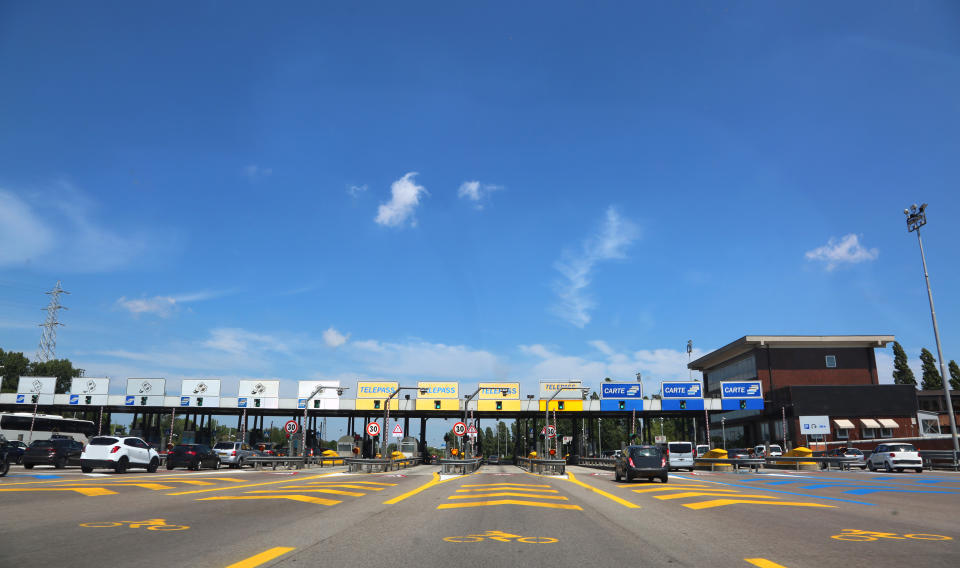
x=459, y=428
x=291, y=427
x=373, y=428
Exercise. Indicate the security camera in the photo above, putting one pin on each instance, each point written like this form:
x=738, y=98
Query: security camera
x=339, y=392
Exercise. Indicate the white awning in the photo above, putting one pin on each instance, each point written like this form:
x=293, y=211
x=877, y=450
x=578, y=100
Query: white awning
x=870, y=422
x=888, y=423
x=841, y=423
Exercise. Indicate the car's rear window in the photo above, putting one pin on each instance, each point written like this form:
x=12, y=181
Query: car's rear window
x=183, y=448
x=223, y=446
x=103, y=441
x=681, y=447
x=644, y=452
x=854, y=451
x=901, y=448
x=41, y=444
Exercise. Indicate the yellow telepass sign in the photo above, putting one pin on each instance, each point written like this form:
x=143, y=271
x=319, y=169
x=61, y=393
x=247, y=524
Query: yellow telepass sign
x=376, y=389
x=438, y=390
x=494, y=391
x=569, y=390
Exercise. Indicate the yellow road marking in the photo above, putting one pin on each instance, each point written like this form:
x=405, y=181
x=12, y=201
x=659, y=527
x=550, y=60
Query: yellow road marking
x=508, y=502
x=520, y=488
x=302, y=498
x=88, y=491
x=243, y=486
x=351, y=483
x=342, y=486
x=265, y=556
x=677, y=488
x=763, y=563
x=503, y=485
x=435, y=481
x=572, y=479
x=723, y=502
x=287, y=489
x=153, y=486
x=707, y=494
x=509, y=494
x=201, y=482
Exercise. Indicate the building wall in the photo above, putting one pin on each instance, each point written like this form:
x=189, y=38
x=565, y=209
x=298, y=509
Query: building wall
x=777, y=368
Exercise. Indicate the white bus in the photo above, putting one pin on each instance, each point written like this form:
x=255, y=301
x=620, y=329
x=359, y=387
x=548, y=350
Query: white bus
x=16, y=426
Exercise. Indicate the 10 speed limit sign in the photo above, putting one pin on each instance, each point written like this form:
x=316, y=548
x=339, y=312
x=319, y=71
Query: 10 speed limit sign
x=291, y=427
x=373, y=428
x=459, y=428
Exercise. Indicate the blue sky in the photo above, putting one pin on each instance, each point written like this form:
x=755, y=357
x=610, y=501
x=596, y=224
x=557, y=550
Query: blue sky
x=329, y=190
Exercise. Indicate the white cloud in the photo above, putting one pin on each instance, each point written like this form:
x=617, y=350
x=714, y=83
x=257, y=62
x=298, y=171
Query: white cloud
x=162, y=306
x=405, y=196
x=241, y=341
x=847, y=250
x=356, y=190
x=255, y=172
x=475, y=191
x=334, y=338
x=423, y=359
x=576, y=266
x=56, y=228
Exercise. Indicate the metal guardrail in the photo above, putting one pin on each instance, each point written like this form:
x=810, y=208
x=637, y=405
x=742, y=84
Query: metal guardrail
x=368, y=465
x=543, y=467
x=451, y=467
x=294, y=462
x=602, y=463
x=945, y=457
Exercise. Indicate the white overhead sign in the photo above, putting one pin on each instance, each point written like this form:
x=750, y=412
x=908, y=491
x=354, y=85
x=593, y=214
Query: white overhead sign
x=327, y=399
x=145, y=392
x=259, y=389
x=200, y=392
x=89, y=391
x=37, y=385
x=814, y=424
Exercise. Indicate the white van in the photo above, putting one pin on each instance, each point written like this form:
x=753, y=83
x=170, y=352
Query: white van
x=681, y=455
x=775, y=451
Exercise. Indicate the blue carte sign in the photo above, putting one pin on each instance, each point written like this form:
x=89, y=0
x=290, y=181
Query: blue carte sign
x=683, y=389
x=128, y=401
x=21, y=398
x=621, y=390
x=241, y=402
x=184, y=401
x=740, y=389
x=74, y=399
x=301, y=403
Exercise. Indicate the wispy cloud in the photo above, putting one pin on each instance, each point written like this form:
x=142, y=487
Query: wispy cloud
x=576, y=266
x=164, y=306
x=476, y=192
x=334, y=338
x=356, y=190
x=405, y=196
x=847, y=250
x=240, y=341
x=59, y=228
x=253, y=172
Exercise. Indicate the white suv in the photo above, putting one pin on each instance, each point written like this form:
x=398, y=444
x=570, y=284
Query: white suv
x=118, y=454
x=895, y=457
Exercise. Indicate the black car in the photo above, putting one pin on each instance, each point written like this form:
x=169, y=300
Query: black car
x=5, y=457
x=642, y=461
x=192, y=456
x=58, y=452
x=14, y=450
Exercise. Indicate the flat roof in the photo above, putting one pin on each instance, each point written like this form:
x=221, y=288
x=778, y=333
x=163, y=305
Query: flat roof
x=749, y=342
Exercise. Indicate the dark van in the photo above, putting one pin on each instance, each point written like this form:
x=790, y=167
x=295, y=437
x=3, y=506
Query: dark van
x=642, y=461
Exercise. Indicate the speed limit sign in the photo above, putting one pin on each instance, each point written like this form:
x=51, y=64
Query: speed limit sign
x=459, y=428
x=373, y=428
x=291, y=427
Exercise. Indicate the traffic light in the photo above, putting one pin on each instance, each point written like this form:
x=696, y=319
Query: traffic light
x=683, y=405
x=436, y=405
x=256, y=402
x=499, y=405
x=559, y=405
x=34, y=398
x=89, y=399
x=143, y=401
x=199, y=401
x=376, y=404
x=743, y=405
x=316, y=404
x=622, y=404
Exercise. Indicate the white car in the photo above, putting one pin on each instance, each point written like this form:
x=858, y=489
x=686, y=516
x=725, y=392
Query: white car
x=895, y=457
x=118, y=454
x=775, y=451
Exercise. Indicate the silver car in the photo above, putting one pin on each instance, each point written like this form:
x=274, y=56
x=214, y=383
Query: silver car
x=234, y=454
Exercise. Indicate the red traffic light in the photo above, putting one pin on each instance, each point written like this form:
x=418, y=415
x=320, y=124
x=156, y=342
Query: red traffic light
x=553, y=452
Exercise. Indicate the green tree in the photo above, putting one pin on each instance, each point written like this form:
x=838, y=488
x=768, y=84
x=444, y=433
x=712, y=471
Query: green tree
x=902, y=373
x=14, y=365
x=954, y=375
x=931, y=376
x=489, y=441
x=62, y=369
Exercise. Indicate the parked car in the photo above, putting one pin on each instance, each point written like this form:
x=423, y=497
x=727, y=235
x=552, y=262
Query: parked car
x=641, y=461
x=741, y=453
x=58, y=452
x=119, y=454
x=847, y=453
x=15, y=450
x=493, y=460
x=5, y=457
x=266, y=449
x=701, y=449
x=233, y=453
x=193, y=456
x=680, y=455
x=895, y=457
x=761, y=451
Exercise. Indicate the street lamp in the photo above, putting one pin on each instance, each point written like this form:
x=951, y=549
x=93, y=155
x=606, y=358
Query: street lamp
x=546, y=413
x=916, y=218
x=306, y=404
x=466, y=400
x=386, y=416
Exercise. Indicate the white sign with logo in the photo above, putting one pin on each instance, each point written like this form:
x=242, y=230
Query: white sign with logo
x=200, y=392
x=327, y=399
x=814, y=425
x=569, y=390
x=659, y=439
x=40, y=387
x=93, y=391
x=145, y=392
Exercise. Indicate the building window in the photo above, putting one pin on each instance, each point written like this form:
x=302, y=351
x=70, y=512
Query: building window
x=868, y=434
x=831, y=361
x=929, y=427
x=816, y=438
x=886, y=433
x=843, y=434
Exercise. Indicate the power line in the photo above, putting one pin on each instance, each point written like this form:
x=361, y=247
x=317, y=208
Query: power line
x=48, y=339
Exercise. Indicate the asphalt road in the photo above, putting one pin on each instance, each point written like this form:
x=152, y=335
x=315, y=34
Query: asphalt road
x=497, y=516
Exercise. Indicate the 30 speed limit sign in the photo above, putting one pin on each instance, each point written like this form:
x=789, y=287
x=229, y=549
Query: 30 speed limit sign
x=373, y=428
x=291, y=427
x=459, y=428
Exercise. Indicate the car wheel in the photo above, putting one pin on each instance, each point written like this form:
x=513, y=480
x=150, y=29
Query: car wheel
x=121, y=466
x=154, y=464
x=28, y=466
x=663, y=479
x=871, y=466
x=919, y=470
x=86, y=469
x=60, y=463
x=616, y=475
x=4, y=467
x=197, y=466
x=627, y=476
x=169, y=466
x=19, y=460
x=863, y=467
x=240, y=464
x=888, y=467
x=217, y=465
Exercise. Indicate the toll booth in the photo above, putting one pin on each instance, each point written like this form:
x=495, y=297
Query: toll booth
x=345, y=446
x=409, y=447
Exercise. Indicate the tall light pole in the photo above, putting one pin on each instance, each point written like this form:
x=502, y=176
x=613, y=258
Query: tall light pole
x=546, y=413
x=466, y=401
x=386, y=416
x=306, y=404
x=916, y=218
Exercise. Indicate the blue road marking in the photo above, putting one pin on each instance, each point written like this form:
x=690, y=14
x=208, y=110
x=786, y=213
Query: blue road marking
x=41, y=476
x=853, y=488
x=754, y=487
x=869, y=490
